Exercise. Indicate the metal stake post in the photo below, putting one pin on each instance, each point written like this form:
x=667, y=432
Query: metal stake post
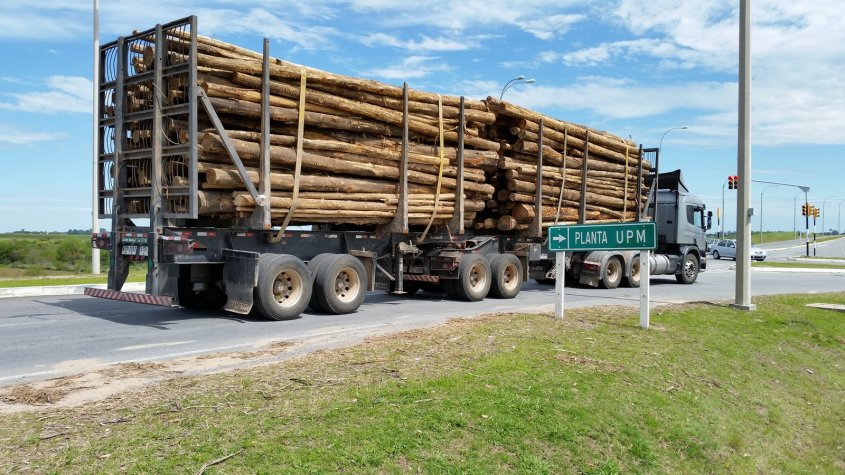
x=560, y=273
x=644, y=289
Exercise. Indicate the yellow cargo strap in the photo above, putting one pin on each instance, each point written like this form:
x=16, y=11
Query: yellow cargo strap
x=300, y=133
x=563, y=167
x=440, y=169
x=625, y=199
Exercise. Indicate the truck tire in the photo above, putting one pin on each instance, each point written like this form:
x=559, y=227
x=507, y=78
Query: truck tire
x=689, y=270
x=474, y=279
x=341, y=284
x=314, y=266
x=611, y=277
x=284, y=287
x=507, y=276
x=633, y=278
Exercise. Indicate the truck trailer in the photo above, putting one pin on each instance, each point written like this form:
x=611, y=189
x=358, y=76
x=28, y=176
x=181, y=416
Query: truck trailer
x=154, y=121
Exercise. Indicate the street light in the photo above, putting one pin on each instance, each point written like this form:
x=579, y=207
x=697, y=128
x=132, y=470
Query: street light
x=824, y=227
x=660, y=144
x=761, y=211
x=795, y=214
x=517, y=80
x=656, y=168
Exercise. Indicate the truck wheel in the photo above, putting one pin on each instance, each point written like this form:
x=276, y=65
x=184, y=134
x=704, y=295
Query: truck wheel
x=689, y=271
x=507, y=276
x=474, y=279
x=612, y=275
x=284, y=287
x=313, y=267
x=633, y=279
x=341, y=284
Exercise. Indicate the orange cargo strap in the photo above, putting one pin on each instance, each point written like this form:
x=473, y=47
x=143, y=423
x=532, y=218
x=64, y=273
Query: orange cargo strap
x=440, y=170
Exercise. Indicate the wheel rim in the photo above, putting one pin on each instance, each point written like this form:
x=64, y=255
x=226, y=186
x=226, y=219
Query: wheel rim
x=510, y=277
x=347, y=285
x=716, y=255
x=690, y=268
x=287, y=288
x=477, y=277
x=635, y=271
x=612, y=271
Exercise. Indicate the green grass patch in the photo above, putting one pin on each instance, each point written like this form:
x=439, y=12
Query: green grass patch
x=67, y=280
x=708, y=389
x=42, y=254
x=798, y=265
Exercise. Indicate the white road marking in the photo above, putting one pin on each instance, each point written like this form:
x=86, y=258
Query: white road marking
x=28, y=375
x=153, y=345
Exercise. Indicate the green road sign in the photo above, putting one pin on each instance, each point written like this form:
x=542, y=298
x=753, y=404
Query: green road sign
x=603, y=237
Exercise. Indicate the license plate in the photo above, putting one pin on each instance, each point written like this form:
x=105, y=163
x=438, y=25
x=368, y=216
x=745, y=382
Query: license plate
x=129, y=250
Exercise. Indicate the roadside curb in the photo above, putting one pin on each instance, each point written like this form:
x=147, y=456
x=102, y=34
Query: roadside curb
x=804, y=270
x=49, y=290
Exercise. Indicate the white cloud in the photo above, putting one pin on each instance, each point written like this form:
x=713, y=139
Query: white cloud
x=64, y=94
x=544, y=19
x=548, y=27
x=412, y=67
x=426, y=43
x=15, y=136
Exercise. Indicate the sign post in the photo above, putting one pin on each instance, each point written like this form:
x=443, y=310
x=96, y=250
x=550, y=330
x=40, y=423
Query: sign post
x=640, y=236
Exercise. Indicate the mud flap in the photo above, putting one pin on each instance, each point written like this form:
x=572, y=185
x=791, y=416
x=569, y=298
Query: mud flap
x=240, y=273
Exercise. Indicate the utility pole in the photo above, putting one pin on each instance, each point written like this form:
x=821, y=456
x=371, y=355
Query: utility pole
x=95, y=202
x=743, y=210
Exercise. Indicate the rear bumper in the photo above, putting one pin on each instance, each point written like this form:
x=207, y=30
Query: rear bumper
x=133, y=297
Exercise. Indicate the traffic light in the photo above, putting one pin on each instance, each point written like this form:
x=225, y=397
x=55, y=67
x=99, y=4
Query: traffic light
x=815, y=212
x=733, y=182
x=805, y=209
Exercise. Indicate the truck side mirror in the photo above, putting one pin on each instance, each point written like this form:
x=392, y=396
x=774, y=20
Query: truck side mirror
x=709, y=219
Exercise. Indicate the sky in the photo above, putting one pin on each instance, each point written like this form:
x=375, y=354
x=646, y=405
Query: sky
x=629, y=67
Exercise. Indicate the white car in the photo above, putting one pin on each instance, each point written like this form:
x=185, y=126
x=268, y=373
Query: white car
x=727, y=248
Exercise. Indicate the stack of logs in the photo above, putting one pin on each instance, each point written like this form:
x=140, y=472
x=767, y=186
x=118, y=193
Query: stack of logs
x=352, y=150
x=611, y=171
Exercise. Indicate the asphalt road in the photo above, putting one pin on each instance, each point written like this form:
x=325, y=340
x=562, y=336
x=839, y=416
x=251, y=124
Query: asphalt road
x=47, y=337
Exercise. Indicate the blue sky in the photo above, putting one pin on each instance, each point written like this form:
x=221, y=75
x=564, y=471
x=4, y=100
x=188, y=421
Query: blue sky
x=630, y=67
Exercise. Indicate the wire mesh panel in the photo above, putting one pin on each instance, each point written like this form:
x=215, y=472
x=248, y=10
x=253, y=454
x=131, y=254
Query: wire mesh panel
x=145, y=144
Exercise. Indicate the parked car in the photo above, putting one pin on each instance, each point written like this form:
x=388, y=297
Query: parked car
x=727, y=248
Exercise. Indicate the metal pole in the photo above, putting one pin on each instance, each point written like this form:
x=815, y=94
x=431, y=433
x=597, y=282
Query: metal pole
x=761, y=211
x=645, y=275
x=722, y=220
x=743, y=210
x=95, y=202
x=560, y=275
x=807, y=221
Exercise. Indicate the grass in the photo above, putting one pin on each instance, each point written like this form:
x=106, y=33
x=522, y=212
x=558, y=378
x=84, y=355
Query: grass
x=36, y=255
x=135, y=275
x=798, y=265
x=707, y=389
x=776, y=236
